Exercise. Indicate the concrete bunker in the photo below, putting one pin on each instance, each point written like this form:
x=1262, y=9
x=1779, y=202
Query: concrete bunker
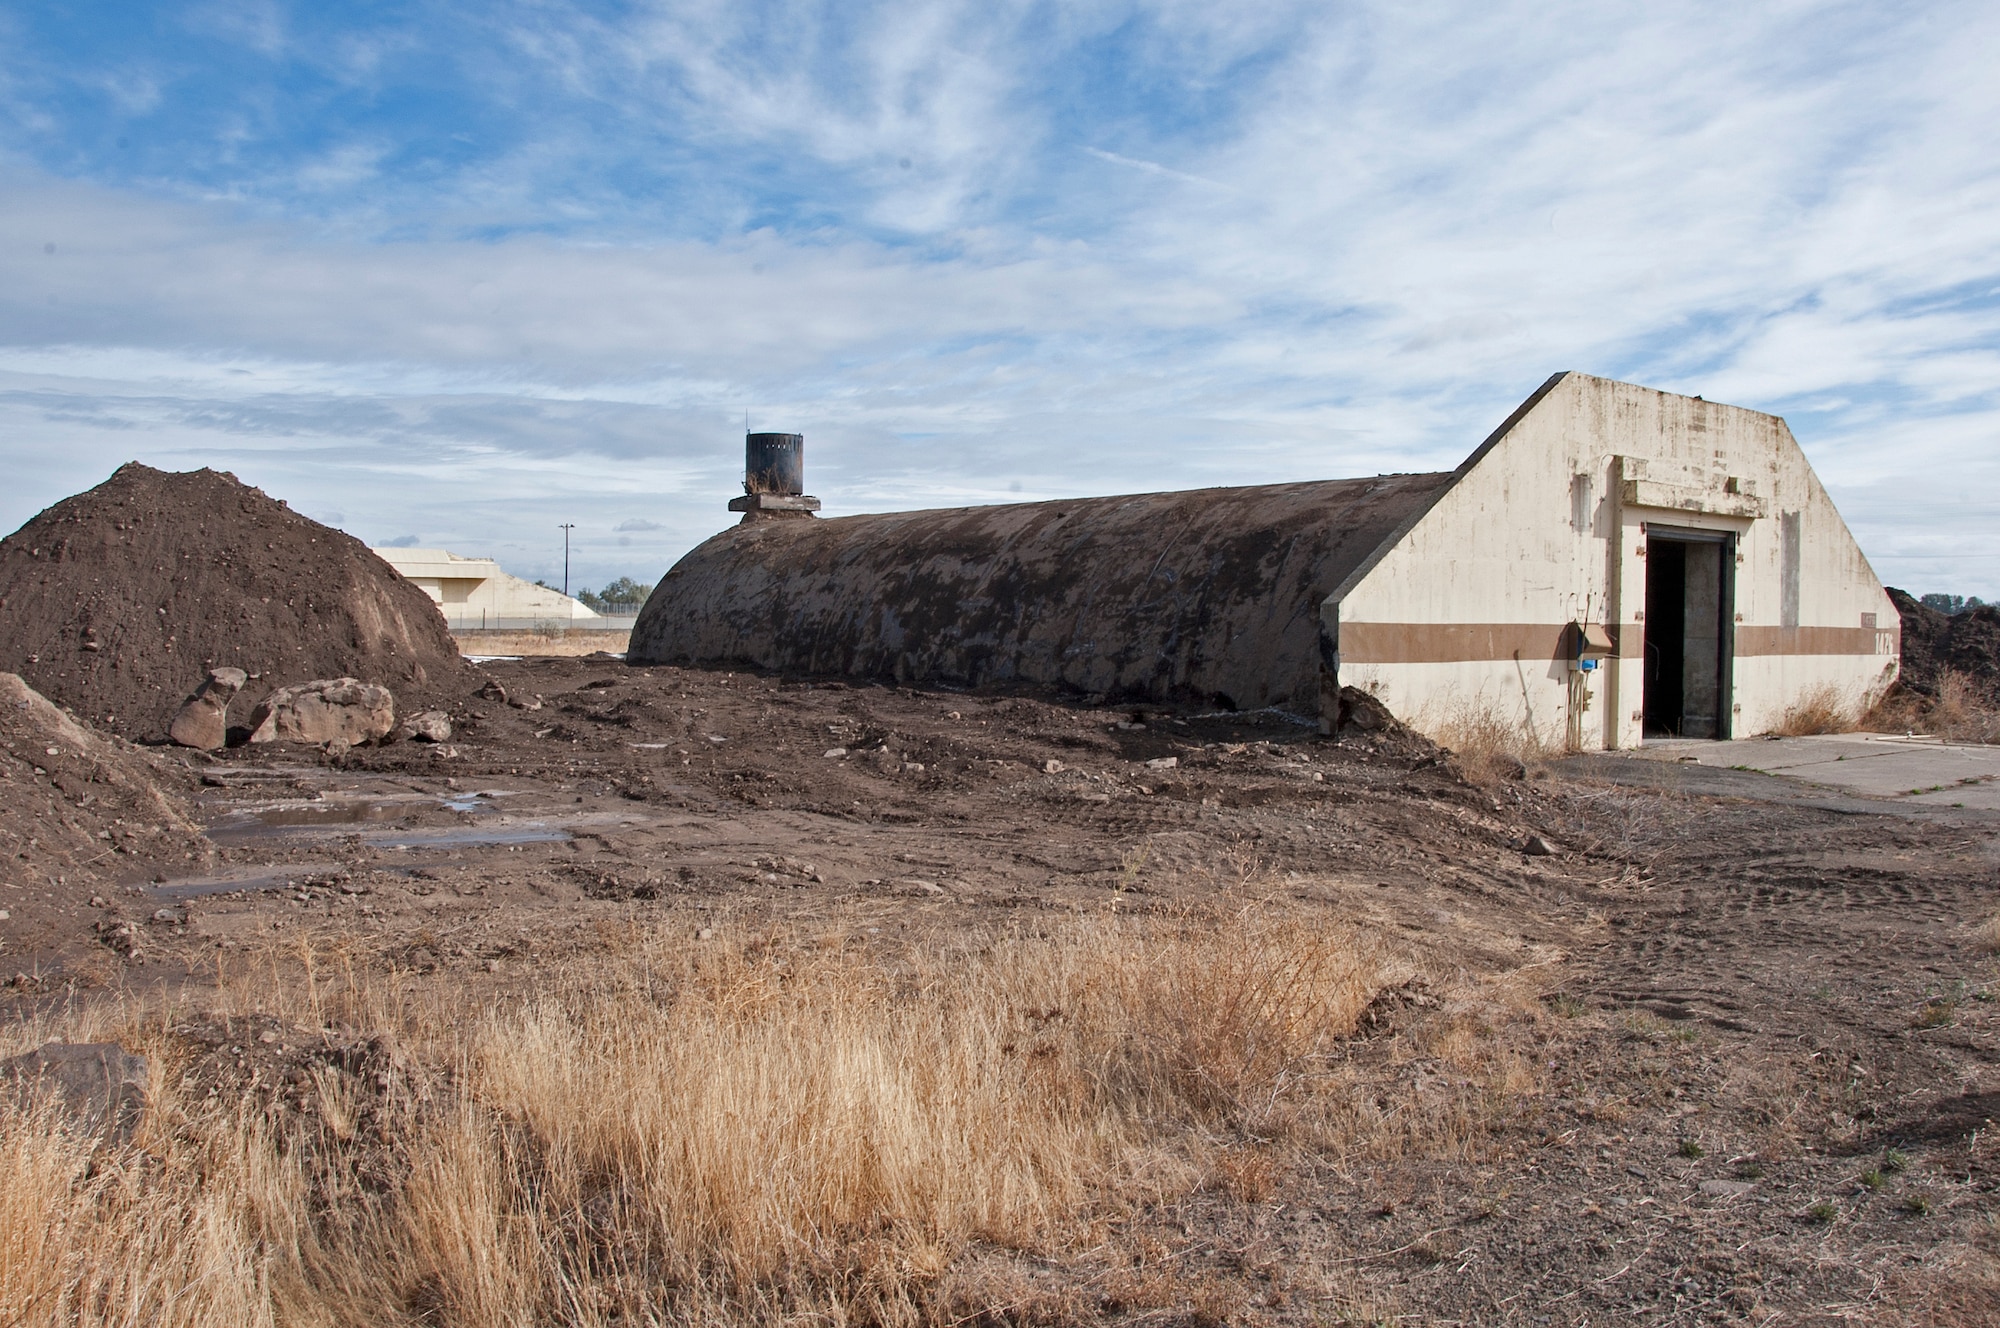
x=1612, y=563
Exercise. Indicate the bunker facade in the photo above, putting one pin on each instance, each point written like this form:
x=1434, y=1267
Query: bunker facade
x=1612, y=563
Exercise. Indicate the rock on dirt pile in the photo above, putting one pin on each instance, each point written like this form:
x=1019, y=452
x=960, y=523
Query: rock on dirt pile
x=1966, y=643
x=117, y=601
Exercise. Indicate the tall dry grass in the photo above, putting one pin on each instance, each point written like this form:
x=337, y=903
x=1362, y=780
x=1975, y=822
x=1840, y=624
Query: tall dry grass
x=727, y=1132
x=1490, y=742
x=182, y=1232
x=1962, y=711
x=1822, y=709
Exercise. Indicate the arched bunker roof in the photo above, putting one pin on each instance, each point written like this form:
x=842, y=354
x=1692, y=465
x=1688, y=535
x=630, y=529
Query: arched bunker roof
x=1207, y=595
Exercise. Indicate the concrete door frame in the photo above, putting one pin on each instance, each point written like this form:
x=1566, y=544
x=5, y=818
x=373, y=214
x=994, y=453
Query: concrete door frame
x=1726, y=541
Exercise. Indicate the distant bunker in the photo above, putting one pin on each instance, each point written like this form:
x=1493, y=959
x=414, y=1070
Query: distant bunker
x=1612, y=563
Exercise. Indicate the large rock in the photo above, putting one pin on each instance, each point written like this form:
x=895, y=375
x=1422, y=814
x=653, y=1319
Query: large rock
x=1363, y=712
x=101, y=1086
x=204, y=720
x=430, y=726
x=343, y=711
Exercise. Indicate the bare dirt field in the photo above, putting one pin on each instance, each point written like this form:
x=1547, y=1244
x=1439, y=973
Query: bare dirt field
x=667, y=995
x=556, y=643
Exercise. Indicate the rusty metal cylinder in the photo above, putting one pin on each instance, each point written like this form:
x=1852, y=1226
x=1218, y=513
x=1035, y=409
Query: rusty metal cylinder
x=774, y=463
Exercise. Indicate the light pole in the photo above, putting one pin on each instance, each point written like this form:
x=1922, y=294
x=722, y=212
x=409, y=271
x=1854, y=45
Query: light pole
x=567, y=527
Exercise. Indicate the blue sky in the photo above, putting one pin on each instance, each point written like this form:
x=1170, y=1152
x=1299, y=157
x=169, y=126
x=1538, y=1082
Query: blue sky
x=465, y=272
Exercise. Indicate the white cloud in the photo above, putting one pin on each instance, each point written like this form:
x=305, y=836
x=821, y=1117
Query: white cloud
x=1301, y=242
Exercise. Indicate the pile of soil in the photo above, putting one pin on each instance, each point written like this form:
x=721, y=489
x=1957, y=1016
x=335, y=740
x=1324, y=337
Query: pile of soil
x=1933, y=641
x=117, y=601
x=80, y=813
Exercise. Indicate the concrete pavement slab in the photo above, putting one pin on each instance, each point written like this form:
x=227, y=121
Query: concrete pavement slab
x=1874, y=765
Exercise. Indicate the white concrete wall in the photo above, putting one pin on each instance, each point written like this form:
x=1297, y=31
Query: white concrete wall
x=471, y=590
x=1548, y=525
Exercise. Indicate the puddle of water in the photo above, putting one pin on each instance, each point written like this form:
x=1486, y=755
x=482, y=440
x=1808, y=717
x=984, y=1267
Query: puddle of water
x=465, y=837
x=285, y=876
x=480, y=800
x=258, y=822
x=270, y=818
x=230, y=778
x=279, y=877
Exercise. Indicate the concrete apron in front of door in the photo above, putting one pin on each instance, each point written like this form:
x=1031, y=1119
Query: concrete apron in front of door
x=1918, y=770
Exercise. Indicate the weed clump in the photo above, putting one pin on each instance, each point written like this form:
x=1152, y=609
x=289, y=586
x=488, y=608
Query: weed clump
x=1822, y=709
x=1488, y=744
x=1987, y=935
x=1936, y=1013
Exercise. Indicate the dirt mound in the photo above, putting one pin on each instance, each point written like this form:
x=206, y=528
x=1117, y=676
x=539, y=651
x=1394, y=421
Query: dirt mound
x=1933, y=642
x=80, y=811
x=116, y=601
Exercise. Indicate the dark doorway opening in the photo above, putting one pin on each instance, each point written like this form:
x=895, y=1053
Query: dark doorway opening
x=1690, y=606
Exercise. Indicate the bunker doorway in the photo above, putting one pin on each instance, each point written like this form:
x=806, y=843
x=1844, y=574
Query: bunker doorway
x=1690, y=609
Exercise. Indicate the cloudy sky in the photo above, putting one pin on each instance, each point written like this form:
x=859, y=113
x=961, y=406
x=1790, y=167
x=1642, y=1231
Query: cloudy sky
x=458, y=273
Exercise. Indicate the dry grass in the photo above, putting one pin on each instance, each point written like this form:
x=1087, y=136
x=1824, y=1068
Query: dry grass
x=1822, y=709
x=1986, y=935
x=551, y=641
x=1490, y=745
x=1962, y=711
x=129, y=1236
x=762, y=1129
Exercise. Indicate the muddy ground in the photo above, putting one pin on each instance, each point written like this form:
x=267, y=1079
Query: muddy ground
x=1763, y=1036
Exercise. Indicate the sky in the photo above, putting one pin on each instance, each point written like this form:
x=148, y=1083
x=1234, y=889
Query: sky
x=456, y=274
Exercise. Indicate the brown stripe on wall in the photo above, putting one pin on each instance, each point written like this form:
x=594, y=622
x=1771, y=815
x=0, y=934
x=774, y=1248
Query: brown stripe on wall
x=1457, y=643
x=1815, y=641
x=1448, y=643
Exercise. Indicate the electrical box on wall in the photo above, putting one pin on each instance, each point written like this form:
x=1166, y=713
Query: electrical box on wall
x=1590, y=644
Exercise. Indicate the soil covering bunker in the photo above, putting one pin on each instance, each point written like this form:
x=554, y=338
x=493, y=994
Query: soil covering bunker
x=1518, y=585
x=1208, y=596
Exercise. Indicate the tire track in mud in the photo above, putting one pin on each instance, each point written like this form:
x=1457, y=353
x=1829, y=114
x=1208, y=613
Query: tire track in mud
x=1740, y=934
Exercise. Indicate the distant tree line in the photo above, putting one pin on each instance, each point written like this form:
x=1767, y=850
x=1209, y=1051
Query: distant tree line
x=1951, y=603
x=621, y=596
